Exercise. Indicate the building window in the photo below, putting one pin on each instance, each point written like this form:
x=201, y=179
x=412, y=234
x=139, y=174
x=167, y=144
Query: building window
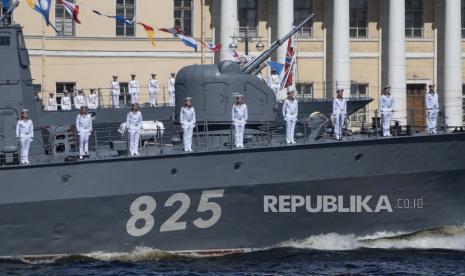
x=124, y=98
x=359, y=90
x=63, y=21
x=304, y=90
x=359, y=18
x=248, y=16
x=463, y=18
x=126, y=9
x=413, y=18
x=61, y=87
x=183, y=15
x=302, y=9
x=3, y=10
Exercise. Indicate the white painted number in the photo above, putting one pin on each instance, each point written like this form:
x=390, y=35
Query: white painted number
x=143, y=207
x=206, y=205
x=138, y=213
x=172, y=224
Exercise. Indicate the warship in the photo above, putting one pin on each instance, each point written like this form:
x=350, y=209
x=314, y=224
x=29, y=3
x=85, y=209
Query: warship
x=217, y=198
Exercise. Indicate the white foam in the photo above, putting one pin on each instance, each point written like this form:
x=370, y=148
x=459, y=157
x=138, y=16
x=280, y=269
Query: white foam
x=139, y=254
x=449, y=237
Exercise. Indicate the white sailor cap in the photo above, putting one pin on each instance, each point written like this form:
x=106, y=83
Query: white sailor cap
x=188, y=99
x=24, y=110
x=238, y=95
x=290, y=91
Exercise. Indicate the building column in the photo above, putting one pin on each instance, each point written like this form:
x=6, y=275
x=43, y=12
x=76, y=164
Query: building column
x=285, y=23
x=341, y=47
x=396, y=59
x=229, y=26
x=453, y=63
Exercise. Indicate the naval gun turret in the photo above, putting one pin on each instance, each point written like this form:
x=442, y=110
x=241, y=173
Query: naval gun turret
x=213, y=87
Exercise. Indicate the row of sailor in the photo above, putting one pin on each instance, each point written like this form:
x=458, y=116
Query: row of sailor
x=431, y=105
x=133, y=90
x=91, y=101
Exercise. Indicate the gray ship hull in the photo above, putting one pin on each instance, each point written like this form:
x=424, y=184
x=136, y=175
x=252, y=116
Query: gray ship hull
x=233, y=199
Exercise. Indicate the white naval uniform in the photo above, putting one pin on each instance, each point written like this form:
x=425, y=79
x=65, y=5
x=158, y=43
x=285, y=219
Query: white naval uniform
x=66, y=103
x=385, y=106
x=84, y=128
x=432, y=110
x=51, y=104
x=188, y=120
x=134, y=91
x=275, y=83
x=240, y=116
x=290, y=111
x=92, y=101
x=134, y=126
x=25, y=133
x=339, y=113
x=171, y=90
x=79, y=101
x=115, y=92
x=153, y=91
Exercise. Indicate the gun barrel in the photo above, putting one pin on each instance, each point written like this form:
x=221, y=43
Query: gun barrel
x=253, y=65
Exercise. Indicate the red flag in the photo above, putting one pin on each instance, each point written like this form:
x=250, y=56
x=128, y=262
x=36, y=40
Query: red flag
x=72, y=9
x=289, y=65
x=173, y=31
x=211, y=46
x=150, y=32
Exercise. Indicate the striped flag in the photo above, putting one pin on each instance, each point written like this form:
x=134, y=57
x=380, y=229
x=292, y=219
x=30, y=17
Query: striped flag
x=288, y=79
x=72, y=9
x=172, y=30
x=188, y=41
x=211, y=46
x=150, y=32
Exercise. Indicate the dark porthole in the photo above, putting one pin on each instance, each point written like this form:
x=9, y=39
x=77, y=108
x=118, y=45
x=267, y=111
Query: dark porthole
x=237, y=166
x=358, y=156
x=174, y=171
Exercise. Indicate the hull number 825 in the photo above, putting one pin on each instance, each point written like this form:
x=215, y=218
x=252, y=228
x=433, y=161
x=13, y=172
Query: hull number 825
x=143, y=208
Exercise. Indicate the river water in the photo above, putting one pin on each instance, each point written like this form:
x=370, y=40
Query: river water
x=432, y=252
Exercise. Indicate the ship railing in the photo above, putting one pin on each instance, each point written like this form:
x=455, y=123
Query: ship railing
x=105, y=99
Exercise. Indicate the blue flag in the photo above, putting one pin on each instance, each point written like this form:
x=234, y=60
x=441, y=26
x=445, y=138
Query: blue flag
x=276, y=66
x=6, y=4
x=42, y=7
x=188, y=41
x=124, y=20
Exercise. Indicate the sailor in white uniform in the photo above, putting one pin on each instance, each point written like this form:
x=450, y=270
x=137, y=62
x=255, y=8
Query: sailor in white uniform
x=52, y=103
x=92, y=100
x=171, y=89
x=275, y=82
x=134, y=89
x=115, y=91
x=153, y=90
x=79, y=100
x=84, y=129
x=432, y=109
x=385, y=105
x=290, y=111
x=187, y=118
x=66, y=102
x=134, y=126
x=339, y=113
x=25, y=134
x=239, y=117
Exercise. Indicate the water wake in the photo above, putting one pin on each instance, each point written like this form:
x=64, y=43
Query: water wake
x=447, y=237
